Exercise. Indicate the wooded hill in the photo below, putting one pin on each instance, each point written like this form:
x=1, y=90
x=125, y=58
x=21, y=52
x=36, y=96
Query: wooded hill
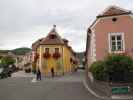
x=17, y=51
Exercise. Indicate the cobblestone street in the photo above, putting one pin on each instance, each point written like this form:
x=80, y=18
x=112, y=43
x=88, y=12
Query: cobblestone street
x=68, y=87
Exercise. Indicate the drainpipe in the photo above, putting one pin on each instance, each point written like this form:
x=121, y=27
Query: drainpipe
x=62, y=61
x=40, y=58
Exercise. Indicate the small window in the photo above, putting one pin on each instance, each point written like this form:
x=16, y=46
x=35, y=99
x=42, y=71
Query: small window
x=56, y=50
x=116, y=42
x=47, y=50
x=114, y=19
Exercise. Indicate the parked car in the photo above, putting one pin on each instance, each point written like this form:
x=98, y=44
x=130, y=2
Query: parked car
x=28, y=70
x=81, y=66
x=5, y=73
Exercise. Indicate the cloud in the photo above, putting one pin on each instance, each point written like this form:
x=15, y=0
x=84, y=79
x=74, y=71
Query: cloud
x=24, y=21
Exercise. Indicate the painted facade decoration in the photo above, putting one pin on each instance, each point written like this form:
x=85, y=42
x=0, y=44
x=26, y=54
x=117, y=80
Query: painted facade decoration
x=53, y=52
x=111, y=32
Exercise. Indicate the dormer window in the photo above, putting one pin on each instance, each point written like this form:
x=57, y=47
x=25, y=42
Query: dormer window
x=52, y=36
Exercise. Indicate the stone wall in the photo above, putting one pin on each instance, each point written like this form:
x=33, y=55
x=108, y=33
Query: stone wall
x=99, y=87
x=104, y=88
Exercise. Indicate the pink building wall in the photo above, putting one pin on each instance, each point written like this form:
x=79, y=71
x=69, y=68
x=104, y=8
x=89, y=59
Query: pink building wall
x=105, y=25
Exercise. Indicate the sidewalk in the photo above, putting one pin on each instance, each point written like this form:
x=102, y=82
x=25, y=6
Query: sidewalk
x=22, y=74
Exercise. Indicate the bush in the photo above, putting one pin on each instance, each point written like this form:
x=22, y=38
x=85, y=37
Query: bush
x=97, y=69
x=115, y=68
x=7, y=60
x=119, y=68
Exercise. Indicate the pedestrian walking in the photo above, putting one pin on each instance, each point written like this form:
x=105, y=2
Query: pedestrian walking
x=38, y=74
x=52, y=71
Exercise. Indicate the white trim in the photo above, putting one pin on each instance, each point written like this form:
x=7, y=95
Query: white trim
x=93, y=47
x=97, y=21
x=123, y=41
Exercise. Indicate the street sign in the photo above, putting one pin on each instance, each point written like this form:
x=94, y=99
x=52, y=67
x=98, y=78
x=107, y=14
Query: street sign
x=120, y=90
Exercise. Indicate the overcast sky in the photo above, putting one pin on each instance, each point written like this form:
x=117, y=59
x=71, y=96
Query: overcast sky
x=24, y=21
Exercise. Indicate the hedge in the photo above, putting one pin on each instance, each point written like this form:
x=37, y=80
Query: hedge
x=115, y=68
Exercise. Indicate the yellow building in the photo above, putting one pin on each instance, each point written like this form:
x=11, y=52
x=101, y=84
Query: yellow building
x=53, y=52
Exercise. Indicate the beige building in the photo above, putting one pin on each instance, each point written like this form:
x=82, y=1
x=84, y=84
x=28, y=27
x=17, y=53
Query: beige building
x=53, y=52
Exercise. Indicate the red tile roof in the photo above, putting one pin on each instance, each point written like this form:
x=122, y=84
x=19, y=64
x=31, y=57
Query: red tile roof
x=36, y=44
x=114, y=10
x=56, y=40
x=111, y=11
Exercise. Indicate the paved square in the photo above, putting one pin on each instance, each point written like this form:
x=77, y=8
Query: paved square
x=68, y=87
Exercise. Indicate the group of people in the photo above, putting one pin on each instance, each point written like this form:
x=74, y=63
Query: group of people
x=38, y=74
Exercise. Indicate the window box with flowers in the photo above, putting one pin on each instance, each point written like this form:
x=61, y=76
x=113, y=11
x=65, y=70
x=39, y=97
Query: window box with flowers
x=56, y=55
x=36, y=57
x=46, y=55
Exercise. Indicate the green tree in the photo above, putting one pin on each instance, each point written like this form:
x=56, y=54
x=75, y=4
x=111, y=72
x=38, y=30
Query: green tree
x=7, y=60
x=21, y=51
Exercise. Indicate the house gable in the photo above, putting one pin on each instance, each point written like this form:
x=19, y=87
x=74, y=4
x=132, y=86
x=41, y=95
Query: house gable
x=113, y=11
x=112, y=20
x=52, y=38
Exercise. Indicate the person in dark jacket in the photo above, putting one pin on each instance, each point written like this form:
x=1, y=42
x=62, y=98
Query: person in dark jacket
x=38, y=74
x=52, y=71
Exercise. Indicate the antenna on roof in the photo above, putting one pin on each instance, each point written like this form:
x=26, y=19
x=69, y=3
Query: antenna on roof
x=53, y=30
x=54, y=26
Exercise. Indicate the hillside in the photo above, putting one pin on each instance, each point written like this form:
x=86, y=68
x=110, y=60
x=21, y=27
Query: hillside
x=17, y=51
x=21, y=51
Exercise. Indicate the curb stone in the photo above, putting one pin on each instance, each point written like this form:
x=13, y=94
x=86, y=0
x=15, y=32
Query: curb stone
x=116, y=97
x=122, y=97
x=93, y=93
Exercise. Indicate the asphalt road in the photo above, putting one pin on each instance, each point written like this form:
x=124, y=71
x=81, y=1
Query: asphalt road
x=68, y=87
